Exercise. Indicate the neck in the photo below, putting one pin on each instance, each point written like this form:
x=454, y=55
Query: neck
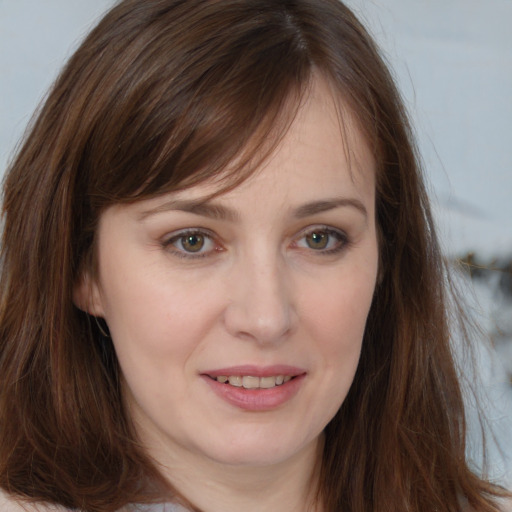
x=290, y=485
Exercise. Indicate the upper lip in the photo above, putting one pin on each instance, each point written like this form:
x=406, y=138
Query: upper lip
x=256, y=371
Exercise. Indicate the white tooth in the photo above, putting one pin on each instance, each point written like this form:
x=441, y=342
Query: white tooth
x=235, y=380
x=267, y=382
x=249, y=382
x=222, y=378
x=279, y=380
x=287, y=378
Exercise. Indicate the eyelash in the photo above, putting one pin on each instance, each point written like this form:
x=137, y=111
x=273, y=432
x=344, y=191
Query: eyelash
x=341, y=242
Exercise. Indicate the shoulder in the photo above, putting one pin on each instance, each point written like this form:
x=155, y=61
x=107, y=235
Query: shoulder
x=503, y=504
x=9, y=503
x=506, y=505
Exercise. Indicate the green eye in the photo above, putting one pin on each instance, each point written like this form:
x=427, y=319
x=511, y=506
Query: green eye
x=317, y=240
x=323, y=240
x=192, y=243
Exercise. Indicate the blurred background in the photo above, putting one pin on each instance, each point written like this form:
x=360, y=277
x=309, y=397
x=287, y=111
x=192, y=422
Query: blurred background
x=453, y=62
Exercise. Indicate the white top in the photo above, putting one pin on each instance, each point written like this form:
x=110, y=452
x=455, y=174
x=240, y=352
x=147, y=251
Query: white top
x=158, y=507
x=10, y=504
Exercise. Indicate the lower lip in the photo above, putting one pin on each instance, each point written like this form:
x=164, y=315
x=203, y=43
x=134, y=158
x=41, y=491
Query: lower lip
x=256, y=399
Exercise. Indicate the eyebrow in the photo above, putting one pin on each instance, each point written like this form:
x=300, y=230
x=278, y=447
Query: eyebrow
x=325, y=205
x=205, y=208
x=200, y=207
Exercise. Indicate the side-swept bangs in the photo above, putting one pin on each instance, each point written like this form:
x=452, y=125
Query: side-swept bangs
x=177, y=94
x=164, y=95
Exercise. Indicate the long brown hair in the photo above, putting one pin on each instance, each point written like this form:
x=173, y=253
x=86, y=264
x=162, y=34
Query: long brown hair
x=162, y=95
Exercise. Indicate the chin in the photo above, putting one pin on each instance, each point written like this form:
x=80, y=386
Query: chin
x=252, y=450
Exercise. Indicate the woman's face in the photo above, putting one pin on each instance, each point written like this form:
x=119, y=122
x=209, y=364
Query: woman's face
x=238, y=321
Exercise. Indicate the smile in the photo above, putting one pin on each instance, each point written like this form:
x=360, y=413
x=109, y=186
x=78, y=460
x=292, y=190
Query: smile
x=253, y=382
x=256, y=393
x=256, y=388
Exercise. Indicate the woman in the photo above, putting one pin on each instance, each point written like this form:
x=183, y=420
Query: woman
x=221, y=285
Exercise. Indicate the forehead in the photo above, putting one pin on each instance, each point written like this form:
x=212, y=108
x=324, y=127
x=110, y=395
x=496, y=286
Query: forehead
x=322, y=150
x=325, y=134
x=322, y=155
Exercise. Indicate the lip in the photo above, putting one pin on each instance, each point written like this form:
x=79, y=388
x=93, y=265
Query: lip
x=256, y=399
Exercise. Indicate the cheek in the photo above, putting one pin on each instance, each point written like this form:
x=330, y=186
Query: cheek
x=156, y=331
x=338, y=311
x=336, y=322
x=159, y=324
x=155, y=305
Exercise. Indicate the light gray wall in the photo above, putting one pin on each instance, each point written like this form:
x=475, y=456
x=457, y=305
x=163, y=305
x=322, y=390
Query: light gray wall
x=453, y=59
x=36, y=37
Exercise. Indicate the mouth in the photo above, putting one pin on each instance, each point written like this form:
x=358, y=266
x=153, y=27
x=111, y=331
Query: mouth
x=252, y=381
x=256, y=388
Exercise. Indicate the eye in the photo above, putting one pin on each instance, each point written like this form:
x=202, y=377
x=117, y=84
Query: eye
x=322, y=239
x=191, y=243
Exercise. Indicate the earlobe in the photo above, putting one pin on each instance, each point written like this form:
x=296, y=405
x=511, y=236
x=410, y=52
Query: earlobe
x=86, y=295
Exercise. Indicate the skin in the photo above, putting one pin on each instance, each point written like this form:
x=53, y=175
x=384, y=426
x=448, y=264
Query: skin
x=272, y=283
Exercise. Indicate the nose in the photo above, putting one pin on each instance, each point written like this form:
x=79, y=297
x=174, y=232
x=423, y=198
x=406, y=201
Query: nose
x=260, y=306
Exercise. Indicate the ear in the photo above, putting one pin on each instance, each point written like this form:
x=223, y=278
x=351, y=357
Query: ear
x=87, y=296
